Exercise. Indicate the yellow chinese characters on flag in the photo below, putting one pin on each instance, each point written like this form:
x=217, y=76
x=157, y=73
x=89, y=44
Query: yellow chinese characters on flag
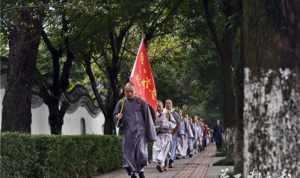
x=142, y=77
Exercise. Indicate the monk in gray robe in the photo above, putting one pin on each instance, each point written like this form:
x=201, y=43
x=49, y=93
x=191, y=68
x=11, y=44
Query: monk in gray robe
x=161, y=147
x=182, y=137
x=170, y=112
x=191, y=136
x=197, y=133
x=132, y=115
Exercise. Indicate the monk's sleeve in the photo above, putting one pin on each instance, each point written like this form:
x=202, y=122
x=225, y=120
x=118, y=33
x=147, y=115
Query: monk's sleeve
x=149, y=124
x=176, y=122
x=177, y=117
x=173, y=123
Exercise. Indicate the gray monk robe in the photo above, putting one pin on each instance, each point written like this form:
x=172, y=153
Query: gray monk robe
x=162, y=145
x=182, y=144
x=137, y=129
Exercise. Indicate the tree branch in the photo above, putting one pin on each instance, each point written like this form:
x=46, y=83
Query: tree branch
x=48, y=43
x=64, y=81
x=212, y=29
x=150, y=33
x=105, y=57
x=99, y=65
x=55, y=62
x=44, y=89
x=123, y=34
x=91, y=76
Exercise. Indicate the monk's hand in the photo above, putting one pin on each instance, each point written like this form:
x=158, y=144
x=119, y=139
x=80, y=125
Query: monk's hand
x=119, y=116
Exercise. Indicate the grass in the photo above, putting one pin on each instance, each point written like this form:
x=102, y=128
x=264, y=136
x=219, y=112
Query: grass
x=224, y=162
x=220, y=154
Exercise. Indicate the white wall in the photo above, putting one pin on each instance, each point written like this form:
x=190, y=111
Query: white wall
x=72, y=121
x=39, y=124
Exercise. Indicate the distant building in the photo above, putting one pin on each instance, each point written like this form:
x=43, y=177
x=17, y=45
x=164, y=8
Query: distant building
x=82, y=117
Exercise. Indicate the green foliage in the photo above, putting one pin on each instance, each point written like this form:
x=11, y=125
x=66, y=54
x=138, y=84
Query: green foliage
x=187, y=72
x=36, y=156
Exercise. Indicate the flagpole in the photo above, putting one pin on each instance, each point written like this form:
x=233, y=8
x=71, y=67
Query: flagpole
x=136, y=57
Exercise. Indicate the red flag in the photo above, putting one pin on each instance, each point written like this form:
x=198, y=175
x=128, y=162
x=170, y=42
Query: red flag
x=142, y=77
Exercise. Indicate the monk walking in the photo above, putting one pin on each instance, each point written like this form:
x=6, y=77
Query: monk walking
x=132, y=115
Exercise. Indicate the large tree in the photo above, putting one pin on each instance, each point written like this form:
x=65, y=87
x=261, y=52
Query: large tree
x=223, y=21
x=52, y=92
x=272, y=87
x=120, y=27
x=62, y=33
x=23, y=27
x=57, y=55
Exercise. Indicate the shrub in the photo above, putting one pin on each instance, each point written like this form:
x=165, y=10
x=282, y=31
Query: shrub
x=227, y=173
x=48, y=156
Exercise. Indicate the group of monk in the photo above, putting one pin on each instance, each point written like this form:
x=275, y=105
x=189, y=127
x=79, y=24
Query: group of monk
x=173, y=133
x=178, y=136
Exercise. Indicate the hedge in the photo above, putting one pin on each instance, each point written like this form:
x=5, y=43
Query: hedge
x=48, y=156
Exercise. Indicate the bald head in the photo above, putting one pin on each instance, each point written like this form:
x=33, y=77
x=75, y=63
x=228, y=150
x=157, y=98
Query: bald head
x=160, y=106
x=129, y=90
x=169, y=104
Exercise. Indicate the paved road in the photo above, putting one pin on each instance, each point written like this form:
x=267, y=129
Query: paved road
x=195, y=167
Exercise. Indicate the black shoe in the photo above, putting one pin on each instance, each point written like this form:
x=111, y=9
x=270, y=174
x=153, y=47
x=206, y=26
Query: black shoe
x=178, y=157
x=159, y=168
x=133, y=176
x=141, y=175
x=171, y=163
x=128, y=170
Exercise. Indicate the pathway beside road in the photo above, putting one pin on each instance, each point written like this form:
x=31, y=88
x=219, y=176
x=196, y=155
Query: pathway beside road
x=199, y=166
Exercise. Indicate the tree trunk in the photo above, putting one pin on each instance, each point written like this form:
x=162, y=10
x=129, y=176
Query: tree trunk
x=109, y=124
x=229, y=98
x=225, y=47
x=106, y=109
x=239, y=83
x=24, y=38
x=54, y=121
x=230, y=94
x=57, y=112
x=115, y=96
x=272, y=87
x=229, y=103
